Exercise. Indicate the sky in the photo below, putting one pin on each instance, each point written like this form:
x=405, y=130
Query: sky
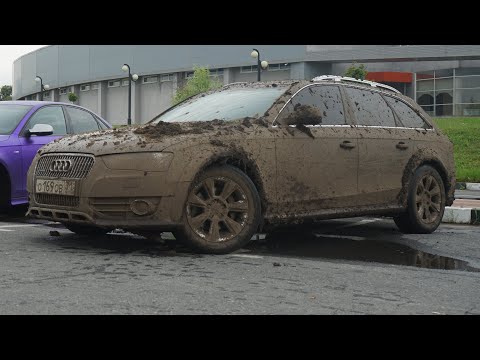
x=8, y=54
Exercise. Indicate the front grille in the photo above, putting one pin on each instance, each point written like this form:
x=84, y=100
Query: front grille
x=59, y=200
x=81, y=166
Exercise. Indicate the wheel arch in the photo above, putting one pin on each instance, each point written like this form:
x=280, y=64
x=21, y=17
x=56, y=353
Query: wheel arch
x=420, y=159
x=5, y=191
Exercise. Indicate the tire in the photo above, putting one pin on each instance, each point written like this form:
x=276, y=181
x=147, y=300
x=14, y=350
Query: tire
x=4, y=191
x=222, y=211
x=425, y=203
x=86, y=229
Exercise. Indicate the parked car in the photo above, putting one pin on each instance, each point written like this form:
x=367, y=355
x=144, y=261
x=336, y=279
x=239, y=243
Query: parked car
x=221, y=166
x=26, y=126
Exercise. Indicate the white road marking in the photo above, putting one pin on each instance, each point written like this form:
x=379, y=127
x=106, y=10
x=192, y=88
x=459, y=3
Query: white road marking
x=6, y=230
x=22, y=225
x=248, y=256
x=361, y=222
x=342, y=236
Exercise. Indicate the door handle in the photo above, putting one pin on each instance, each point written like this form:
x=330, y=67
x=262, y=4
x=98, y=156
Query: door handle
x=402, y=146
x=347, y=145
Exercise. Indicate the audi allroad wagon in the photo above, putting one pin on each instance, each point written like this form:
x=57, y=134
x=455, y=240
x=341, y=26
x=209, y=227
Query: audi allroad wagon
x=224, y=165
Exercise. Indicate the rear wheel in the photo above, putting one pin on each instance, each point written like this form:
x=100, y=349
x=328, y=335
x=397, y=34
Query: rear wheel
x=222, y=211
x=86, y=229
x=425, y=203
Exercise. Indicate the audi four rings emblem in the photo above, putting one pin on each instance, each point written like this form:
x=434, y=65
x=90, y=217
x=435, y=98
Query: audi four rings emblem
x=61, y=165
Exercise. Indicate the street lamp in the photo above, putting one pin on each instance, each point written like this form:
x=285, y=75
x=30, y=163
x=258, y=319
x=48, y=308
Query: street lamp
x=131, y=77
x=42, y=87
x=260, y=64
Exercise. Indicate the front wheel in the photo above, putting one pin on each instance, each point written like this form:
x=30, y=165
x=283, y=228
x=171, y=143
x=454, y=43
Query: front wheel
x=425, y=203
x=222, y=211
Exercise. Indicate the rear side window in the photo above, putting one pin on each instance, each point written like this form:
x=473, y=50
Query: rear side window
x=50, y=115
x=314, y=105
x=408, y=117
x=82, y=121
x=370, y=108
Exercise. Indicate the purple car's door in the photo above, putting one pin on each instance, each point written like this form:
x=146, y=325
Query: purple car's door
x=51, y=115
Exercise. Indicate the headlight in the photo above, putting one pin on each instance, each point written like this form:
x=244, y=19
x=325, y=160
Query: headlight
x=147, y=161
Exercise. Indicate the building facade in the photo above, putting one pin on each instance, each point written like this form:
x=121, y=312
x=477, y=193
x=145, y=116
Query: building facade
x=444, y=79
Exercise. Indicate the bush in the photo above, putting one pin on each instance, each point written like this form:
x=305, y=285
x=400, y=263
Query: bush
x=72, y=97
x=356, y=72
x=199, y=83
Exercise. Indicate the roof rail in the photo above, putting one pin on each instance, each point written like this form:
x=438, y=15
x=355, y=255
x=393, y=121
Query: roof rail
x=350, y=79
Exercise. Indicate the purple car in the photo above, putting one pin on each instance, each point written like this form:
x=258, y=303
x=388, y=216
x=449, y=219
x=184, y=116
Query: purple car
x=25, y=126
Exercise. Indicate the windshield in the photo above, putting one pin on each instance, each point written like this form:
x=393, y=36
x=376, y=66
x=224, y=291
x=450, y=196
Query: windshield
x=230, y=104
x=10, y=116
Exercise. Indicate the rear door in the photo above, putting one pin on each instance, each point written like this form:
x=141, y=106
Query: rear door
x=51, y=115
x=317, y=156
x=384, y=149
x=81, y=121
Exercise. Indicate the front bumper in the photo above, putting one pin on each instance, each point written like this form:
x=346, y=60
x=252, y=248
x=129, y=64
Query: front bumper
x=127, y=199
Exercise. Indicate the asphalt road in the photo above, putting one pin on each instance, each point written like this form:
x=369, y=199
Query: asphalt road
x=351, y=266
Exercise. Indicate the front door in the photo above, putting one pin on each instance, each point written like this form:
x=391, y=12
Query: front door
x=317, y=153
x=50, y=115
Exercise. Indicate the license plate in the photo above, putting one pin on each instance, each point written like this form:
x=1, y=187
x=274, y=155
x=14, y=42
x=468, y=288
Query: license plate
x=57, y=187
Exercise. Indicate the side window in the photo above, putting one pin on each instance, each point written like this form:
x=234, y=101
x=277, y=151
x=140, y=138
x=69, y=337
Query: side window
x=408, y=116
x=81, y=121
x=50, y=115
x=370, y=108
x=314, y=105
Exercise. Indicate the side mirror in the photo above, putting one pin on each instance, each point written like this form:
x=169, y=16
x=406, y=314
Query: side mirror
x=40, y=130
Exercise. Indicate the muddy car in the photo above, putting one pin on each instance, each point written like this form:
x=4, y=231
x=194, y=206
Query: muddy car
x=221, y=166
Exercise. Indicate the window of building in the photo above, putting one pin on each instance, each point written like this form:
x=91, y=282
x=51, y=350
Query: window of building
x=85, y=87
x=125, y=82
x=166, y=77
x=370, y=108
x=150, y=79
x=407, y=116
x=46, y=94
x=95, y=86
x=278, y=67
x=248, y=69
x=216, y=72
x=63, y=91
x=114, y=83
x=82, y=121
x=315, y=105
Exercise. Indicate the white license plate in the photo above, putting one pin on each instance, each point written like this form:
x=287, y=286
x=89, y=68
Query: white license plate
x=57, y=187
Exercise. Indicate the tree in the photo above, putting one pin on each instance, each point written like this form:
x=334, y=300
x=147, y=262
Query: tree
x=6, y=93
x=199, y=83
x=72, y=97
x=356, y=72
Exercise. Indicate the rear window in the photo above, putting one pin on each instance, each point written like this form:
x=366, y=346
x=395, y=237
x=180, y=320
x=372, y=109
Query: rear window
x=370, y=108
x=408, y=116
x=10, y=116
x=229, y=104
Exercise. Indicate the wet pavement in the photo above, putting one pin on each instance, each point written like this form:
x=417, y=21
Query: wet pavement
x=348, y=266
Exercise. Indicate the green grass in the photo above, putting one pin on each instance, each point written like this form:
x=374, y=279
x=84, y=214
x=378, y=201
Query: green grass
x=465, y=135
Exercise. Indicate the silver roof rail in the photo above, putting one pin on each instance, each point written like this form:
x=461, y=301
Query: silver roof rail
x=337, y=78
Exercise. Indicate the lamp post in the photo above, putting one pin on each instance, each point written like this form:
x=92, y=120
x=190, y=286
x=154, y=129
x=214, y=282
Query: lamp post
x=42, y=87
x=131, y=77
x=260, y=64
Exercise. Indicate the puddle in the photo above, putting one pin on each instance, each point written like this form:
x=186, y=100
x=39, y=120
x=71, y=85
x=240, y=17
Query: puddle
x=312, y=245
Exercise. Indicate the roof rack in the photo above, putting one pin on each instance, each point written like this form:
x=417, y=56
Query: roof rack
x=337, y=78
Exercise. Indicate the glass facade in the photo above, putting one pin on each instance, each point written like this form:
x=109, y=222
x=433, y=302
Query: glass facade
x=449, y=92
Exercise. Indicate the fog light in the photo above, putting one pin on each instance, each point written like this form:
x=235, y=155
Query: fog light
x=142, y=207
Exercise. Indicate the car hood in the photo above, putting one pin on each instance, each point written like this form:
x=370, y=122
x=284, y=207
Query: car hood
x=4, y=137
x=148, y=137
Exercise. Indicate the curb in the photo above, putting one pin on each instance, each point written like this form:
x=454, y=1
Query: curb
x=467, y=186
x=456, y=215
